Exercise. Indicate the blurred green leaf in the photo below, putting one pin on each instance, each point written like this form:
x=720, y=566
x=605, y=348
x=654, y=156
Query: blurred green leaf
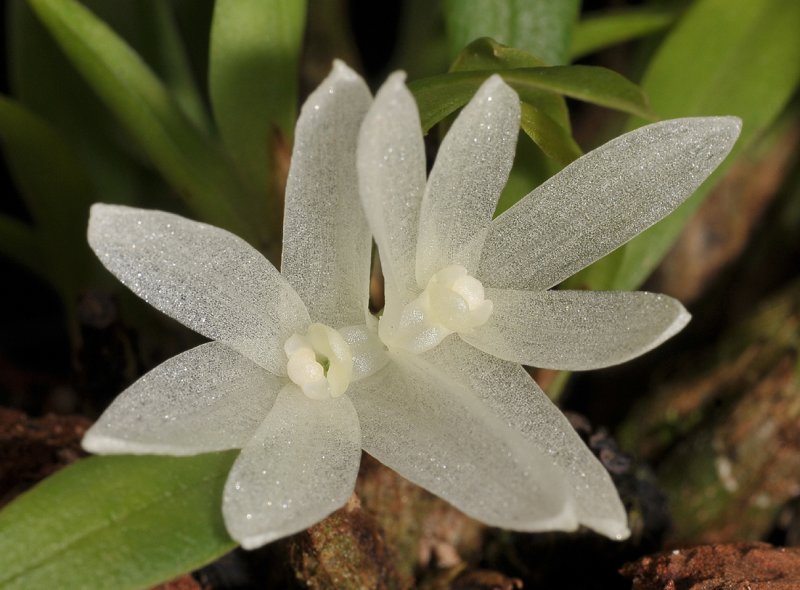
x=39, y=71
x=255, y=49
x=165, y=50
x=55, y=187
x=543, y=27
x=194, y=166
x=725, y=57
x=122, y=522
x=599, y=31
x=555, y=141
x=438, y=96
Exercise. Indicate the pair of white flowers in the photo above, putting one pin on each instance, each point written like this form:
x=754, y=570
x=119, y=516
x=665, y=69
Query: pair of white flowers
x=302, y=377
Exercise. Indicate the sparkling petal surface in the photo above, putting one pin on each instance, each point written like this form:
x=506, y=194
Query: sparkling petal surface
x=391, y=168
x=602, y=200
x=515, y=398
x=300, y=466
x=326, y=241
x=203, y=276
x=209, y=398
x=470, y=172
x=576, y=330
x=432, y=430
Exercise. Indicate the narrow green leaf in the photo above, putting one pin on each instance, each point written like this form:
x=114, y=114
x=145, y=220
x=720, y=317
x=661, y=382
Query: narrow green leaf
x=39, y=71
x=555, y=141
x=55, y=188
x=18, y=243
x=438, y=96
x=255, y=49
x=122, y=522
x=488, y=55
x=195, y=167
x=170, y=59
x=543, y=27
x=725, y=57
x=599, y=31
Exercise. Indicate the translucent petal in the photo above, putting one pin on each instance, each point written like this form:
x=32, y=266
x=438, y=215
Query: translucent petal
x=300, y=466
x=326, y=242
x=209, y=398
x=391, y=167
x=471, y=170
x=203, y=276
x=433, y=430
x=516, y=399
x=602, y=200
x=576, y=330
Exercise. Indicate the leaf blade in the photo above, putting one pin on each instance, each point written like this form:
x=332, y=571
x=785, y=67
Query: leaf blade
x=543, y=27
x=599, y=31
x=114, y=507
x=193, y=165
x=254, y=55
x=438, y=96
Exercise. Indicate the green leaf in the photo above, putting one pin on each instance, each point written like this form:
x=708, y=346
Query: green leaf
x=543, y=27
x=725, y=57
x=489, y=55
x=255, y=49
x=55, y=187
x=165, y=50
x=39, y=71
x=121, y=522
x=438, y=96
x=599, y=31
x=555, y=141
x=193, y=165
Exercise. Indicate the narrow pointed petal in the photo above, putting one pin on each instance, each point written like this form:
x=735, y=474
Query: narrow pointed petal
x=209, y=398
x=391, y=170
x=509, y=392
x=432, y=430
x=326, y=241
x=471, y=169
x=205, y=277
x=602, y=200
x=300, y=466
x=576, y=330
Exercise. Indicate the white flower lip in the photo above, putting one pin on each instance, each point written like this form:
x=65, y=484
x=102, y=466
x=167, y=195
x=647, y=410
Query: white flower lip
x=319, y=362
x=452, y=301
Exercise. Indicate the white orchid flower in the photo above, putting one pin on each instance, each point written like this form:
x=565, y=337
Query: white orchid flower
x=296, y=376
x=470, y=293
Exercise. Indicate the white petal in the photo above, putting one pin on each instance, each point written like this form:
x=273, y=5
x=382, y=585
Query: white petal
x=576, y=330
x=391, y=169
x=209, y=398
x=602, y=200
x=326, y=242
x=433, y=431
x=471, y=170
x=516, y=399
x=300, y=466
x=203, y=276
